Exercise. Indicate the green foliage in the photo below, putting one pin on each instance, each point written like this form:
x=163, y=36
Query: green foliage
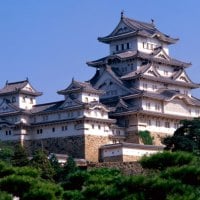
x=16, y=185
x=6, y=169
x=163, y=160
x=5, y=196
x=186, y=174
x=41, y=162
x=75, y=181
x=20, y=157
x=44, y=191
x=70, y=166
x=146, y=137
x=28, y=171
x=73, y=195
x=6, y=152
x=56, y=167
x=185, y=138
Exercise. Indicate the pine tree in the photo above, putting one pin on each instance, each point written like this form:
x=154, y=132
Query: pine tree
x=56, y=166
x=20, y=157
x=40, y=161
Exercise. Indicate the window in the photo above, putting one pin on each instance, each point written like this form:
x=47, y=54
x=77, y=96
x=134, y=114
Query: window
x=197, y=112
x=128, y=46
x=45, y=117
x=6, y=132
x=154, y=87
x=117, y=48
x=64, y=128
x=149, y=122
x=148, y=105
x=157, y=107
x=157, y=123
x=185, y=92
x=70, y=114
x=176, y=125
x=31, y=100
x=122, y=47
x=24, y=99
x=167, y=125
x=145, y=86
x=99, y=127
x=53, y=129
x=41, y=131
x=165, y=72
x=9, y=132
x=38, y=131
x=92, y=126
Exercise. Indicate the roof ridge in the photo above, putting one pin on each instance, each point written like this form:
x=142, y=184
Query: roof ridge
x=17, y=82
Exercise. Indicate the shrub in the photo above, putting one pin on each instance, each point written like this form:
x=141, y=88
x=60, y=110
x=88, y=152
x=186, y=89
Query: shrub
x=146, y=137
x=161, y=161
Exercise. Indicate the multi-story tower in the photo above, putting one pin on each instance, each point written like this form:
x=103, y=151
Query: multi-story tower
x=146, y=88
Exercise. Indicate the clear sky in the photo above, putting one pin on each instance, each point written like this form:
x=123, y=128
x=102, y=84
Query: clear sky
x=49, y=41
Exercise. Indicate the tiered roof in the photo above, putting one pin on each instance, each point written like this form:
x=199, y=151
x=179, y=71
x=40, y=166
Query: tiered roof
x=133, y=28
x=76, y=87
x=19, y=87
x=140, y=73
x=129, y=55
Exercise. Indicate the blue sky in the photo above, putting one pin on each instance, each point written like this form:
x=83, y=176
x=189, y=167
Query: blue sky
x=49, y=41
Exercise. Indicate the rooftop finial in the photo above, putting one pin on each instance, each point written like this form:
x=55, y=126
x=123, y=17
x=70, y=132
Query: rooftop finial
x=152, y=21
x=122, y=14
x=72, y=79
x=7, y=82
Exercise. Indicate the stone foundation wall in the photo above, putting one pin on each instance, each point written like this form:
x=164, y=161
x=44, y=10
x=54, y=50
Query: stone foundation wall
x=132, y=137
x=113, y=159
x=128, y=168
x=92, y=145
x=72, y=145
x=121, y=158
x=158, y=137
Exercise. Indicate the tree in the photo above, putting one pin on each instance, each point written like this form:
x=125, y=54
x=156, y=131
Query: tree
x=57, y=167
x=6, y=152
x=40, y=161
x=70, y=166
x=185, y=138
x=20, y=157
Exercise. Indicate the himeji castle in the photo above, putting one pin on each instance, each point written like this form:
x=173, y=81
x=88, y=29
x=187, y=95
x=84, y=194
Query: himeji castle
x=137, y=87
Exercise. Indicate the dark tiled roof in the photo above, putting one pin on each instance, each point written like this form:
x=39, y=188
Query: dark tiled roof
x=134, y=28
x=46, y=107
x=16, y=87
x=77, y=86
x=137, y=54
x=132, y=146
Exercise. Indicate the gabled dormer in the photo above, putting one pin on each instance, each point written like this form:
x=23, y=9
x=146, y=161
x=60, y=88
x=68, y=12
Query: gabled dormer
x=21, y=94
x=82, y=91
x=131, y=34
